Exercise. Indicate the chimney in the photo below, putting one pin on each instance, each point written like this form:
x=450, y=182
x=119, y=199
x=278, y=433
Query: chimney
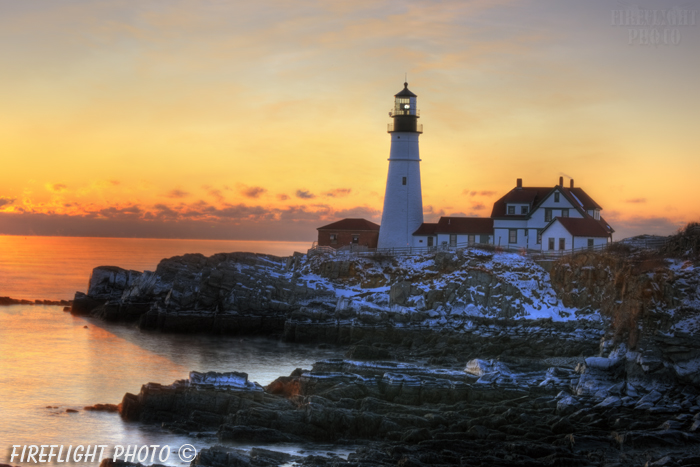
x=571, y=183
x=561, y=181
x=519, y=183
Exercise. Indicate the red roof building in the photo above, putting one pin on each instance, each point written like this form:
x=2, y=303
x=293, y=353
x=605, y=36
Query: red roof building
x=349, y=232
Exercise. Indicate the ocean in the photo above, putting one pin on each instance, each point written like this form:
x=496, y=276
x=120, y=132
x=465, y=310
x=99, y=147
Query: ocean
x=51, y=361
x=54, y=268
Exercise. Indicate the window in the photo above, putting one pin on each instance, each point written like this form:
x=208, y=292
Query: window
x=551, y=244
x=590, y=243
x=512, y=235
x=539, y=237
x=562, y=243
x=420, y=241
x=355, y=239
x=453, y=239
x=511, y=210
x=334, y=238
x=403, y=182
x=471, y=239
x=526, y=232
x=547, y=215
x=556, y=197
x=523, y=209
x=484, y=239
x=564, y=213
x=430, y=241
x=596, y=214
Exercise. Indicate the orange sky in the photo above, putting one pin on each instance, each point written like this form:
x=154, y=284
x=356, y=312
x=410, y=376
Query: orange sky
x=265, y=120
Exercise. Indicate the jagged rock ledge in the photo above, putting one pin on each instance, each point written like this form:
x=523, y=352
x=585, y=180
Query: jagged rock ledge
x=490, y=413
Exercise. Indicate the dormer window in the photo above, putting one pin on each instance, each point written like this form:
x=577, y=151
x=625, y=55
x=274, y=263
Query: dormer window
x=523, y=210
x=596, y=214
x=511, y=210
x=556, y=197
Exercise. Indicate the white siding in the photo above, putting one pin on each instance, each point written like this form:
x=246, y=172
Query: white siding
x=582, y=242
x=462, y=239
x=556, y=231
x=403, y=204
x=421, y=241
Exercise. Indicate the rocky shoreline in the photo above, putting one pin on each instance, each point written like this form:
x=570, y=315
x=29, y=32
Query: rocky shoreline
x=455, y=358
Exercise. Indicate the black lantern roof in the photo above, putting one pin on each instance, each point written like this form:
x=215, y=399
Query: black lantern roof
x=405, y=92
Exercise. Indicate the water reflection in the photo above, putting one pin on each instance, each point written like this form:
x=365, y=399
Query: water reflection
x=49, y=358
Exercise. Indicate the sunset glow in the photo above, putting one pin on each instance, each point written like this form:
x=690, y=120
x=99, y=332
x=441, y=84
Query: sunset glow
x=265, y=120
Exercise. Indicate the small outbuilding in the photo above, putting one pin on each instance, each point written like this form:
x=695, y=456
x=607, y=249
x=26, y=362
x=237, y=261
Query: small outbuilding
x=348, y=232
x=572, y=233
x=454, y=231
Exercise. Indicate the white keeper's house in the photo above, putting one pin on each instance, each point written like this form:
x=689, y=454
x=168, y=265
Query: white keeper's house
x=536, y=218
x=549, y=218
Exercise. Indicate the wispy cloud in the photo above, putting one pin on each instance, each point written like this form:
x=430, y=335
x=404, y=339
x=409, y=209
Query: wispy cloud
x=338, y=192
x=282, y=197
x=252, y=191
x=177, y=193
x=56, y=187
x=305, y=194
x=636, y=200
x=6, y=201
x=478, y=193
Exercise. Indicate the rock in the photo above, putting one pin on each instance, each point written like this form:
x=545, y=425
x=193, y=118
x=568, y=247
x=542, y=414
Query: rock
x=480, y=367
x=365, y=352
x=102, y=408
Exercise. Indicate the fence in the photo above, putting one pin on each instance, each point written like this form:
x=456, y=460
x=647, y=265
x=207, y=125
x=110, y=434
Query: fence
x=535, y=254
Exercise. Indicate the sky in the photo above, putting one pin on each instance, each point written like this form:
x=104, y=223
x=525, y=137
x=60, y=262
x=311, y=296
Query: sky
x=265, y=120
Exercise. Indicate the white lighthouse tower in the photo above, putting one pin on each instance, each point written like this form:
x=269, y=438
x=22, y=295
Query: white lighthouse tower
x=403, y=200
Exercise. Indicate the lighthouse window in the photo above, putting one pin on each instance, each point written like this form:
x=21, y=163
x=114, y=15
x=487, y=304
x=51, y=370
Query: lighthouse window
x=403, y=182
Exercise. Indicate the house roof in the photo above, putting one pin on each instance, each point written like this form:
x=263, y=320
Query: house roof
x=531, y=195
x=426, y=228
x=583, y=227
x=578, y=198
x=465, y=225
x=351, y=224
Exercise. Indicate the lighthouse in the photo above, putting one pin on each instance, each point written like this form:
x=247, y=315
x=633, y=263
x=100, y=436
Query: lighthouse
x=403, y=200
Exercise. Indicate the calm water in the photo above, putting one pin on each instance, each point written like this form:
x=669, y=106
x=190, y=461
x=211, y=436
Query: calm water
x=56, y=267
x=50, y=358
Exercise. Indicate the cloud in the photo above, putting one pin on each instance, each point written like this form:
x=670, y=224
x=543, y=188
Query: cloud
x=56, y=187
x=176, y=193
x=216, y=194
x=478, y=206
x=252, y=191
x=636, y=200
x=478, y=193
x=185, y=220
x=5, y=201
x=632, y=226
x=282, y=197
x=115, y=182
x=430, y=214
x=338, y=192
x=364, y=212
x=305, y=194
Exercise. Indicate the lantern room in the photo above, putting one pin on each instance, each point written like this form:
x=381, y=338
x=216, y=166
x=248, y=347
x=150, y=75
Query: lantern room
x=405, y=112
